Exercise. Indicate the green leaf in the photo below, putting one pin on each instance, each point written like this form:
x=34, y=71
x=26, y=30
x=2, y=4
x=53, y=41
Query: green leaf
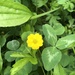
x=13, y=13
x=2, y=41
x=66, y=42
x=49, y=34
x=25, y=70
x=24, y=35
x=19, y=65
x=13, y=45
x=59, y=29
x=72, y=73
x=17, y=54
x=69, y=6
x=1, y=61
x=61, y=1
x=33, y=60
x=24, y=49
x=68, y=61
x=58, y=70
x=51, y=57
x=8, y=57
x=39, y=3
x=25, y=28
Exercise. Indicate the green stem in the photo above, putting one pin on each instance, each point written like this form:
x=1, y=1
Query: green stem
x=41, y=65
x=43, y=14
x=46, y=7
x=73, y=50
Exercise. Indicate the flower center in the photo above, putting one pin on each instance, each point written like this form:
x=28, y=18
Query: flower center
x=34, y=41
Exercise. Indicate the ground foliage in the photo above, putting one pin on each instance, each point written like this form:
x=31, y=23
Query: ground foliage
x=54, y=20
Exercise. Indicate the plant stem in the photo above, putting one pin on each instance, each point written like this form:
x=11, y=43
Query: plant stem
x=46, y=7
x=73, y=50
x=41, y=65
x=43, y=14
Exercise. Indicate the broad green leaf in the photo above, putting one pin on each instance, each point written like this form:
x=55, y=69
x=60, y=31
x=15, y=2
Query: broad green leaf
x=66, y=42
x=1, y=61
x=25, y=70
x=13, y=13
x=19, y=65
x=39, y=3
x=2, y=41
x=51, y=57
x=49, y=34
x=13, y=45
x=8, y=57
x=58, y=70
x=59, y=29
x=72, y=73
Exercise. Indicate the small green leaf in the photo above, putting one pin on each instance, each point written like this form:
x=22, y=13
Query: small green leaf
x=66, y=42
x=19, y=65
x=8, y=57
x=69, y=6
x=49, y=34
x=13, y=13
x=2, y=41
x=51, y=57
x=61, y=1
x=7, y=70
x=59, y=29
x=58, y=70
x=1, y=61
x=39, y=3
x=25, y=28
x=13, y=45
x=24, y=35
x=68, y=61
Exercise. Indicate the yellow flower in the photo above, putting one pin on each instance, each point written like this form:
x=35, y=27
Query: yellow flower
x=34, y=41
